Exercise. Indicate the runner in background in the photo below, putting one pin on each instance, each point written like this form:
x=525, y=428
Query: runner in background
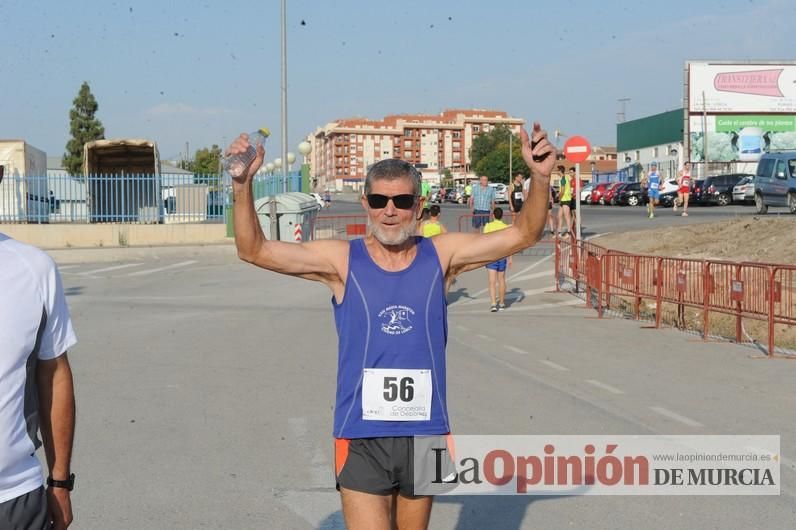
x=684, y=191
x=653, y=182
x=425, y=191
x=516, y=194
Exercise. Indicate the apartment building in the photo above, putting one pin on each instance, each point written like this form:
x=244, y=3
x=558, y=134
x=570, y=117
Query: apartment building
x=343, y=150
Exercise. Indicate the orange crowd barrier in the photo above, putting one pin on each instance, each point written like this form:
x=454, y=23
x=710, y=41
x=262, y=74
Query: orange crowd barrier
x=745, y=290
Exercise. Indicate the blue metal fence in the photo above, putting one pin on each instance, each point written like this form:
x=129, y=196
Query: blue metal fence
x=131, y=198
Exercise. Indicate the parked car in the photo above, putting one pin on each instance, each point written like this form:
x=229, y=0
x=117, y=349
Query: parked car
x=216, y=200
x=609, y=193
x=668, y=186
x=456, y=195
x=585, y=193
x=501, y=192
x=775, y=181
x=717, y=189
x=744, y=191
x=318, y=199
x=597, y=192
x=666, y=199
x=697, y=187
x=630, y=194
x=433, y=193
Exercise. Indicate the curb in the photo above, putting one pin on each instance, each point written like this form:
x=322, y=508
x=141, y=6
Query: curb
x=104, y=255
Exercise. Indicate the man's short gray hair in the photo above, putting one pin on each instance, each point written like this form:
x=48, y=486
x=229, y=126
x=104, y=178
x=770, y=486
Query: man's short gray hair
x=393, y=169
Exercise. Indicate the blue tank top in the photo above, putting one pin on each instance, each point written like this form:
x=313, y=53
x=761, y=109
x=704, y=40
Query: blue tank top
x=654, y=181
x=392, y=332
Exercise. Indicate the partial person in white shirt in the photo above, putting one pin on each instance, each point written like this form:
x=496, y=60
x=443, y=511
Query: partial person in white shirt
x=36, y=395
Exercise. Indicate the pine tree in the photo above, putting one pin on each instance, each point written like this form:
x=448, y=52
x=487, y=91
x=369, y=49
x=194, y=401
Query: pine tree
x=84, y=127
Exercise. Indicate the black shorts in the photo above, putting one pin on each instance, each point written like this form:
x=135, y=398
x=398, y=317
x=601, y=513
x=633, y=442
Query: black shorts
x=382, y=466
x=27, y=511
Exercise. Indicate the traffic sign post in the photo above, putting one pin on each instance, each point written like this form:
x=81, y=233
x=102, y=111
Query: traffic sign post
x=577, y=149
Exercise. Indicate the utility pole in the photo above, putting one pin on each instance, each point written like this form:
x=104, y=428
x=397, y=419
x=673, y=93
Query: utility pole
x=284, y=95
x=620, y=116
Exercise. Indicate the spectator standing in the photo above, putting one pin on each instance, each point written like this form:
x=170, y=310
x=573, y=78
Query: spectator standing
x=482, y=202
x=496, y=271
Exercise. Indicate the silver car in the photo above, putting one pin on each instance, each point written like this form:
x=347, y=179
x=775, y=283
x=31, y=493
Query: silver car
x=744, y=191
x=501, y=192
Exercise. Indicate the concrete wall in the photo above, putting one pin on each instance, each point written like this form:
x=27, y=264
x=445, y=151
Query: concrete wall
x=115, y=235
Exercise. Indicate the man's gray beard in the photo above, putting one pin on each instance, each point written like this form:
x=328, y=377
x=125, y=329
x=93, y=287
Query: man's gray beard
x=405, y=233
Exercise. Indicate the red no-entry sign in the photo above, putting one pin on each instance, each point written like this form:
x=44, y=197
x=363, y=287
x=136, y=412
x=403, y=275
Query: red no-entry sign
x=577, y=149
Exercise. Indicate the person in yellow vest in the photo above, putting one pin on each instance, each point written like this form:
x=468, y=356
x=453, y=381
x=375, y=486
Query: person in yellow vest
x=497, y=269
x=432, y=227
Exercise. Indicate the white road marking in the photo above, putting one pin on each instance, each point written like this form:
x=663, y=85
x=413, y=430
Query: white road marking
x=161, y=269
x=548, y=305
x=609, y=388
x=67, y=267
x=485, y=337
x=514, y=309
x=109, y=269
x=553, y=365
x=531, y=266
x=535, y=275
x=513, y=295
x=511, y=278
x=515, y=350
x=677, y=417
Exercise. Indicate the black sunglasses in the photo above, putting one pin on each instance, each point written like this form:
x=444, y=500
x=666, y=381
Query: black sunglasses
x=402, y=202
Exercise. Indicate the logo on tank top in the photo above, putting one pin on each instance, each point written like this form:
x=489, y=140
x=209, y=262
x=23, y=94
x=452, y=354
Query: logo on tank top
x=396, y=319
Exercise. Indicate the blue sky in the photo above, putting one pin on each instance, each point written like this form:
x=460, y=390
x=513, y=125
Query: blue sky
x=200, y=72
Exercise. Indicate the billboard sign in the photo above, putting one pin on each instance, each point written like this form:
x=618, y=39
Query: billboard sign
x=742, y=87
x=740, y=137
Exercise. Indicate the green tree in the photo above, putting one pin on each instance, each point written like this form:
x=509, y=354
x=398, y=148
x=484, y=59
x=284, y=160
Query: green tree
x=447, y=178
x=206, y=164
x=489, y=155
x=84, y=127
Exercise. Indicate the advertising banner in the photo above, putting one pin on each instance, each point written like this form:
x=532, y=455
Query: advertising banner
x=740, y=138
x=741, y=88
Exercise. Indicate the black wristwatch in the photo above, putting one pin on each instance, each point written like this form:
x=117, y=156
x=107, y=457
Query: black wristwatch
x=68, y=484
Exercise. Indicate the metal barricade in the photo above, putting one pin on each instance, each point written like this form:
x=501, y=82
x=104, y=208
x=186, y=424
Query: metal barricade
x=344, y=227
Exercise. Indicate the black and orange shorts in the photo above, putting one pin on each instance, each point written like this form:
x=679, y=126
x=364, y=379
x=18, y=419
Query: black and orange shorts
x=383, y=466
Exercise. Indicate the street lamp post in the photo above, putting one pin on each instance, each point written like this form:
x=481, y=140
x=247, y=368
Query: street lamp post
x=511, y=134
x=673, y=153
x=278, y=170
x=305, y=148
x=284, y=89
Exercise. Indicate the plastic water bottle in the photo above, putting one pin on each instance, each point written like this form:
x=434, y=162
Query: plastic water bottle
x=235, y=165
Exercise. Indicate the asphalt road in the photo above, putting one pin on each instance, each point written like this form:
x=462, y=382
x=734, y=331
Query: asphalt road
x=596, y=219
x=205, y=390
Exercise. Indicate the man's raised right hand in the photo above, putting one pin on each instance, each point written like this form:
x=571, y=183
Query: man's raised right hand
x=239, y=146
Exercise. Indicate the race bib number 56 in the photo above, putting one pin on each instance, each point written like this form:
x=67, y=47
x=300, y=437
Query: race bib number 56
x=396, y=395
